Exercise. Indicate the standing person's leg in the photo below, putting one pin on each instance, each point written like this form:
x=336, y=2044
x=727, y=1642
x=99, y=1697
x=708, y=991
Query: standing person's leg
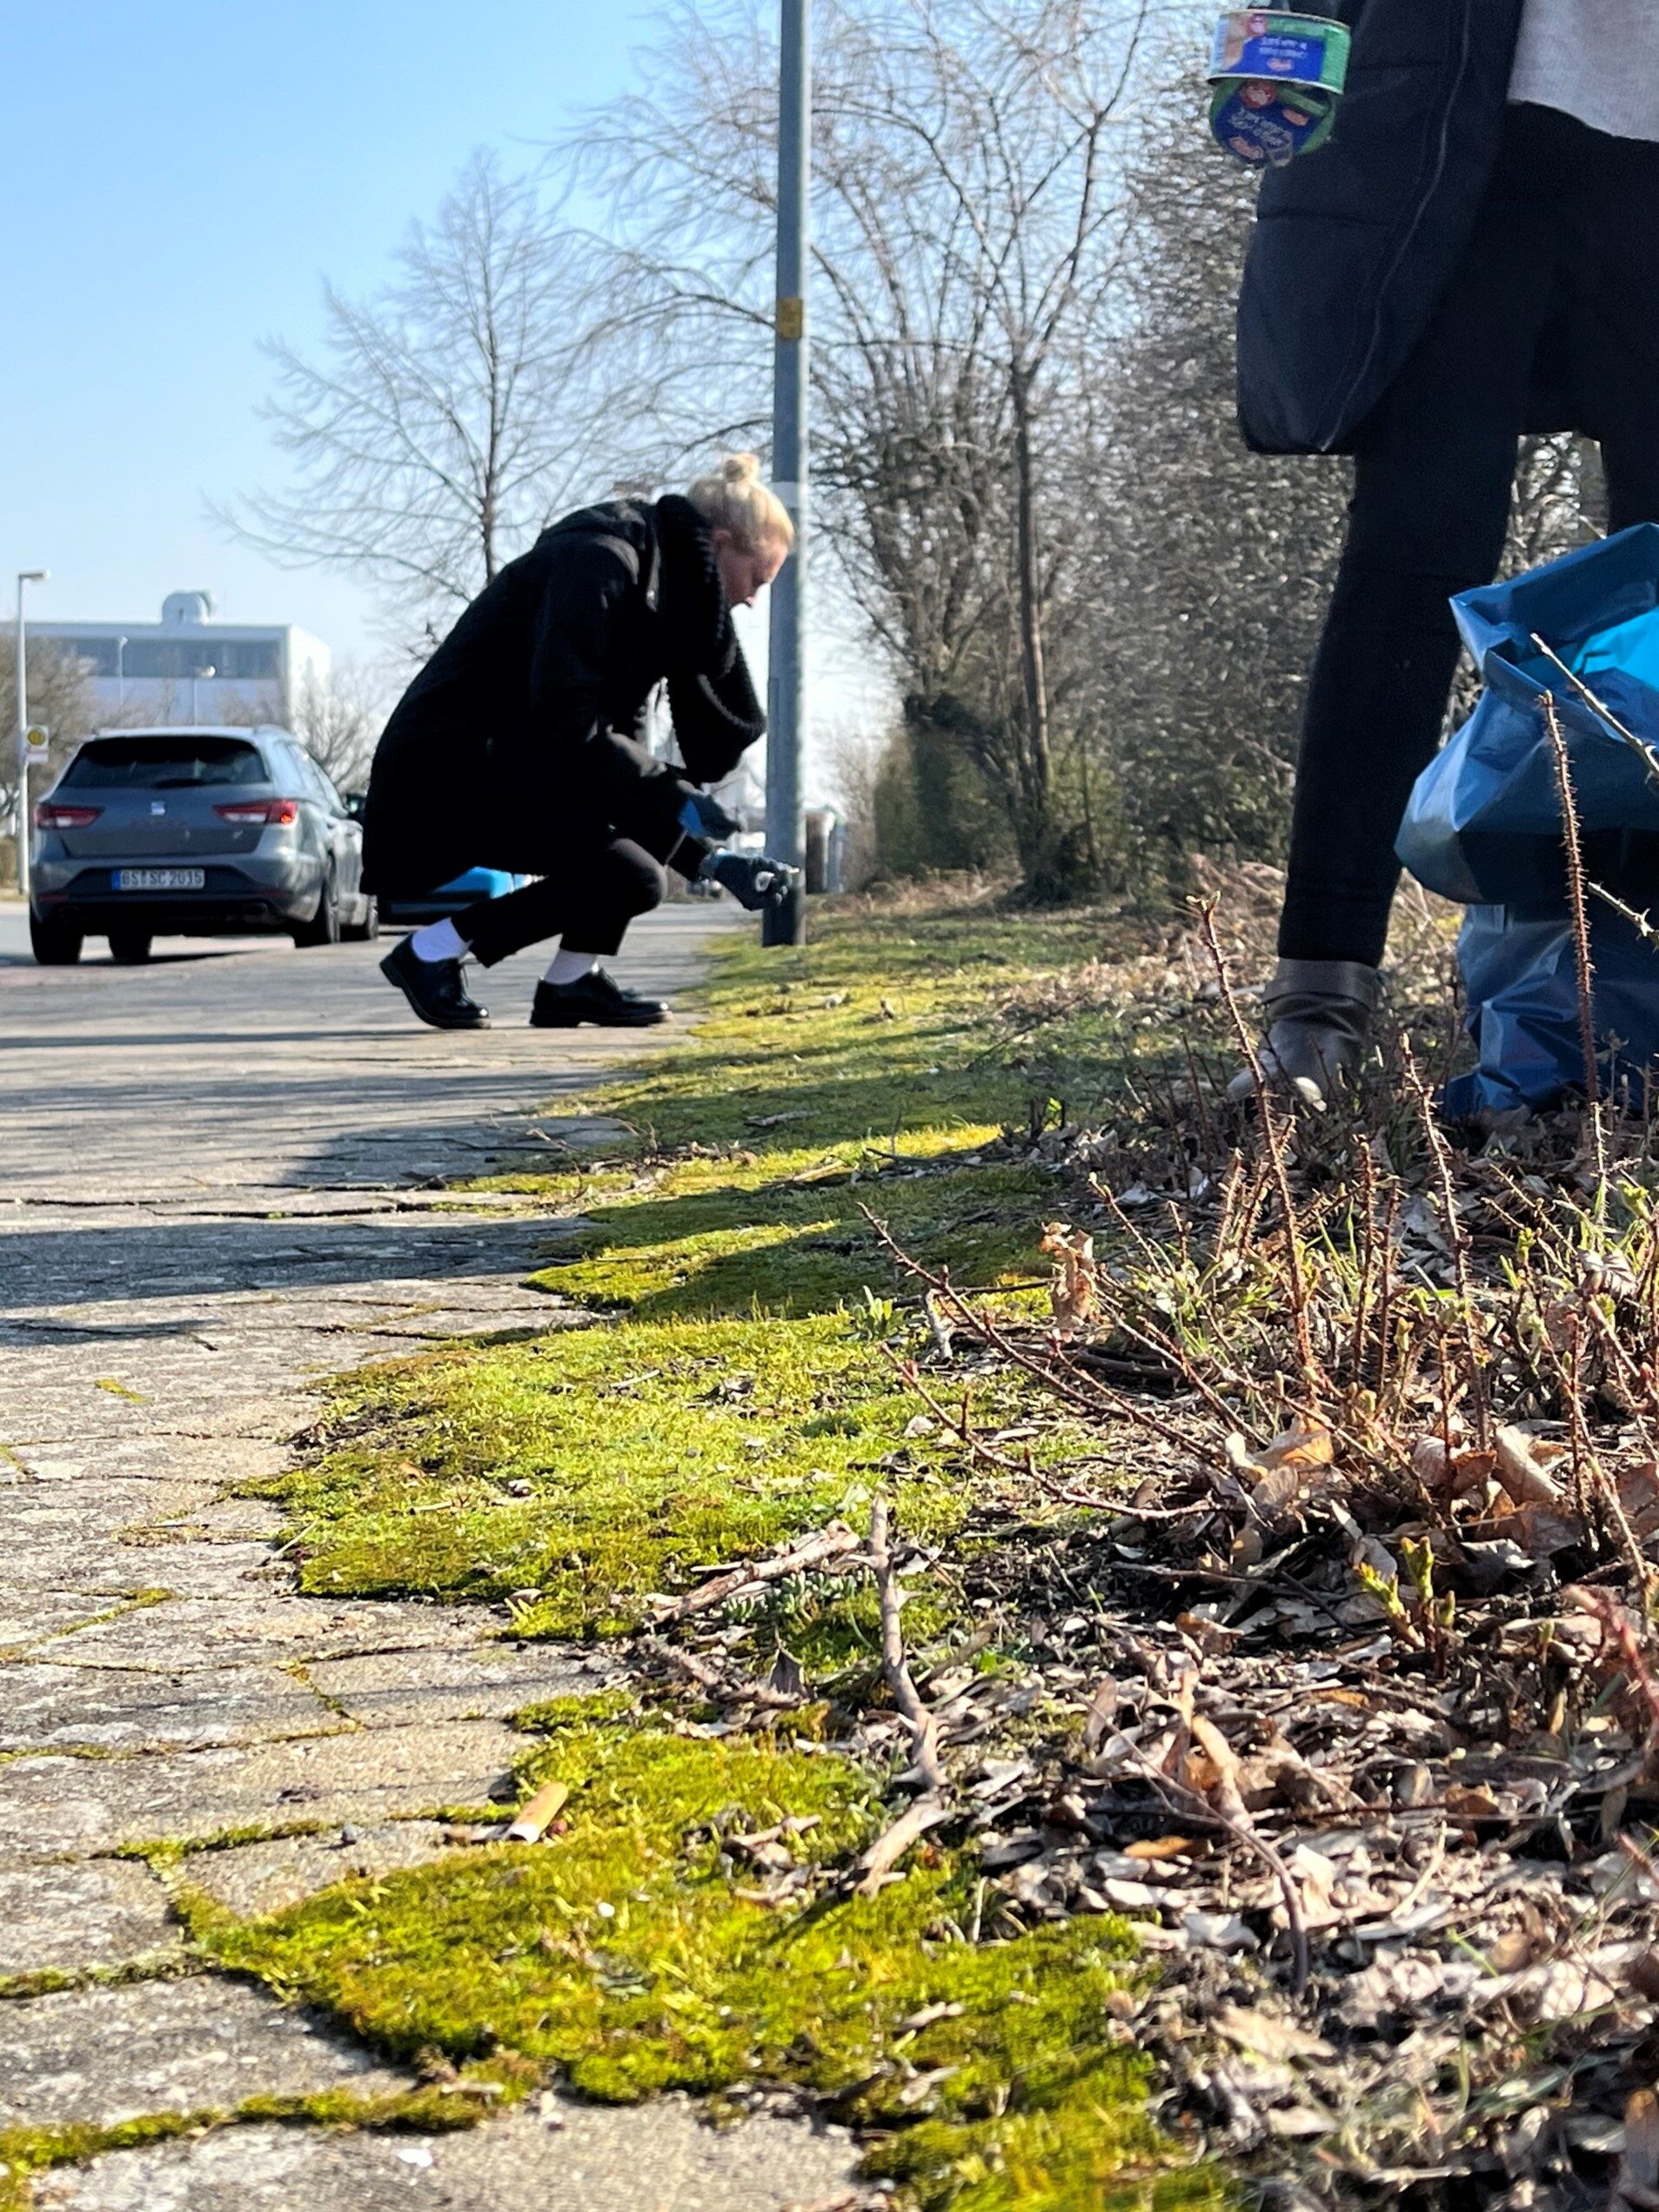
x=1616, y=317
x=1433, y=481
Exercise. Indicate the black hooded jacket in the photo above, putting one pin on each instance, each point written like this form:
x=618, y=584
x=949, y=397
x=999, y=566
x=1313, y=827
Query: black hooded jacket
x=1354, y=244
x=522, y=731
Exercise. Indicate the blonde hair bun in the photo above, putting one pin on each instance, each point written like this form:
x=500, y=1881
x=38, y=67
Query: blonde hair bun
x=733, y=497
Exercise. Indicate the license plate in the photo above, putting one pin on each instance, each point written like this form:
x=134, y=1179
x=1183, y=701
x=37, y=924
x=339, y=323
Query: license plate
x=160, y=879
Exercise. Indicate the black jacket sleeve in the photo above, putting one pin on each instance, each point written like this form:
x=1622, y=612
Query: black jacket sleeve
x=587, y=766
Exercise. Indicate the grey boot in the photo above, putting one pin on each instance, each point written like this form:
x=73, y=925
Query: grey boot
x=1319, y=1012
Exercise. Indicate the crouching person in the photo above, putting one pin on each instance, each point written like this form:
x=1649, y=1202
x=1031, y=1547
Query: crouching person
x=519, y=746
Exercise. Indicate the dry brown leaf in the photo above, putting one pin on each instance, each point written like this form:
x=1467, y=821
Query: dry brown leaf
x=1520, y=1470
x=1465, y=1803
x=1155, y=1848
x=1208, y=1635
x=1072, y=1291
x=1471, y=1471
x=1638, y=1489
x=1102, y=1709
x=1431, y=1464
x=1268, y=2037
x=1278, y=1492
x=1637, y=2183
x=1225, y=1761
x=1307, y=1445
x=1451, y=1474
x=1541, y=1531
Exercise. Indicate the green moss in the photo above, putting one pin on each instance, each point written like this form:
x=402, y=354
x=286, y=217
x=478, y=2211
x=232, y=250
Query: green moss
x=789, y=1234
x=165, y=1853
x=594, y=1467
x=26, y=2151
x=636, y=1955
x=877, y=1027
x=737, y=1398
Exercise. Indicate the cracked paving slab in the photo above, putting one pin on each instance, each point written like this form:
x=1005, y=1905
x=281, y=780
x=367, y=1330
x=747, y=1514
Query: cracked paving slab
x=104, y=2055
x=639, y=2158
x=221, y=1184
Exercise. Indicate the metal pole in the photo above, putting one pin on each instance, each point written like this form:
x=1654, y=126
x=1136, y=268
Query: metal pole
x=786, y=688
x=23, y=753
x=25, y=576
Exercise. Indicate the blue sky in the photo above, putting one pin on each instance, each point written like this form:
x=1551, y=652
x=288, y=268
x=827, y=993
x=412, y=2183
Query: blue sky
x=178, y=179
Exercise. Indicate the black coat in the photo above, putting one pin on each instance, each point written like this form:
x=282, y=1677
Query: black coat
x=523, y=730
x=1354, y=244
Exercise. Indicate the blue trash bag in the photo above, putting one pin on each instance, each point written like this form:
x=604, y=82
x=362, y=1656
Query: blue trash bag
x=1483, y=825
x=1520, y=979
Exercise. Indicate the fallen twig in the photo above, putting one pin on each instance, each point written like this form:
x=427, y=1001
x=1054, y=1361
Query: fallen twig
x=821, y=1548
x=924, y=1728
x=743, y=1692
x=894, y=1841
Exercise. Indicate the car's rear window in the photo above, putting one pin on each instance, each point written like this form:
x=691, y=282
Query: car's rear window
x=163, y=763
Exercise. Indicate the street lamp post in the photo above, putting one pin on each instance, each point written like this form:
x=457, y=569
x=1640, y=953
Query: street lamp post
x=121, y=645
x=786, y=697
x=199, y=675
x=25, y=576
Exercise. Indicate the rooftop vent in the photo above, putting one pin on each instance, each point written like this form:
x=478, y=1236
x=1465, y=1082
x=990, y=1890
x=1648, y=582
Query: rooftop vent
x=186, y=610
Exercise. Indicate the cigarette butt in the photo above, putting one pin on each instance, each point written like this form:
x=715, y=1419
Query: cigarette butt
x=532, y=1818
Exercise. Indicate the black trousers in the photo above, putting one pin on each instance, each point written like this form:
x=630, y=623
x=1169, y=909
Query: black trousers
x=1568, y=237
x=589, y=904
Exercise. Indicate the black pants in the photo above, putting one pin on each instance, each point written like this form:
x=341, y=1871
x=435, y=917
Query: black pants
x=1568, y=237
x=589, y=904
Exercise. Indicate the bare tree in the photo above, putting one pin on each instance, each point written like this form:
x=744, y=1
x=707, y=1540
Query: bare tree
x=448, y=417
x=966, y=236
x=60, y=696
x=340, y=717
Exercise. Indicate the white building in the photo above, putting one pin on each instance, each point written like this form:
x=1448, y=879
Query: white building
x=188, y=668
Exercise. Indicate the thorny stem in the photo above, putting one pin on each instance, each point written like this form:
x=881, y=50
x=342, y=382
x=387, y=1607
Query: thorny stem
x=1640, y=922
x=961, y=1426
x=1650, y=758
x=1578, y=909
x=1273, y=1139
x=1096, y=1399
x=1457, y=1236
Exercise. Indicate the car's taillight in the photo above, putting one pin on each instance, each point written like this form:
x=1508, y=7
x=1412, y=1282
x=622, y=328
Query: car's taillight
x=51, y=816
x=262, y=810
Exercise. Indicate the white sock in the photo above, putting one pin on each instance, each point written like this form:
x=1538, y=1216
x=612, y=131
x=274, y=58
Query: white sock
x=570, y=966
x=438, y=941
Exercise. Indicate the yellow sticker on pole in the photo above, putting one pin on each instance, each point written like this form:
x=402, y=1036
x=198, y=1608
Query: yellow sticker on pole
x=792, y=319
x=37, y=738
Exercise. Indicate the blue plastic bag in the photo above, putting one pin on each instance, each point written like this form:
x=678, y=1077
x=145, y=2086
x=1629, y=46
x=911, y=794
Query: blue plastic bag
x=1520, y=979
x=1483, y=824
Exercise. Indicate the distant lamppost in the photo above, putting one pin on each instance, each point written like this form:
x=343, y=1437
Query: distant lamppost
x=200, y=675
x=121, y=645
x=25, y=576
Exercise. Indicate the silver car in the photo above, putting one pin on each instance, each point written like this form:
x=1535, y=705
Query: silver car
x=194, y=833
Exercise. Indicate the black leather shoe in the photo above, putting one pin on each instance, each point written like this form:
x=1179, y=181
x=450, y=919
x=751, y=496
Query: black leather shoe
x=593, y=997
x=434, y=988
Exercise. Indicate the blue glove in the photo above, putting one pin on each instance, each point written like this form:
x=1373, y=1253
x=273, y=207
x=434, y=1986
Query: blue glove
x=702, y=817
x=753, y=881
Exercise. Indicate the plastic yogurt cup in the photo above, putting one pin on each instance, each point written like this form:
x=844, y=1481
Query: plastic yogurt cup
x=1277, y=80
